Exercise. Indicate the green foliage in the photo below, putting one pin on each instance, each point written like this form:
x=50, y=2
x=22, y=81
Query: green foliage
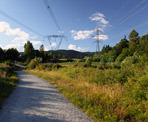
x=106, y=49
x=48, y=66
x=125, y=53
x=42, y=48
x=8, y=80
x=133, y=36
x=12, y=54
x=104, y=58
x=96, y=57
x=143, y=45
x=88, y=62
x=135, y=99
x=112, y=91
x=112, y=94
x=2, y=55
x=33, y=63
x=28, y=51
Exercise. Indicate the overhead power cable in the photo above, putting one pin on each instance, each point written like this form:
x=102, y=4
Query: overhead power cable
x=123, y=7
x=52, y=14
x=132, y=10
x=18, y=22
x=134, y=14
x=129, y=29
x=61, y=36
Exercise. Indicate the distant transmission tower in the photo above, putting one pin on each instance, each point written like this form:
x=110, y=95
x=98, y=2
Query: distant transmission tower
x=97, y=40
x=55, y=37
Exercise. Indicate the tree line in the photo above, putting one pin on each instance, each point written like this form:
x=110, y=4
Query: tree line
x=135, y=45
x=10, y=54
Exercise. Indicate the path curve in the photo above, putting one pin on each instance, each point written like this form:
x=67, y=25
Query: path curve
x=35, y=100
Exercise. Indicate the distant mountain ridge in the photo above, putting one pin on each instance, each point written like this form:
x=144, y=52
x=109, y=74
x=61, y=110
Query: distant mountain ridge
x=70, y=53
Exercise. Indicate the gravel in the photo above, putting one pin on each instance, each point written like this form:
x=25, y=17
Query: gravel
x=35, y=100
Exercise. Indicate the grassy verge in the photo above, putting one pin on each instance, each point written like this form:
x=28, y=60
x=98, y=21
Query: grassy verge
x=8, y=81
x=111, y=94
x=94, y=100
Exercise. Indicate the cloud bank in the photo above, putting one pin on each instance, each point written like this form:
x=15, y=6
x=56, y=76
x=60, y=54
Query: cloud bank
x=19, y=37
x=74, y=47
x=102, y=23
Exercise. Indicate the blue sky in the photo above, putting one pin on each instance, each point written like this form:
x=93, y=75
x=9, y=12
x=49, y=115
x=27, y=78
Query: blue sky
x=77, y=19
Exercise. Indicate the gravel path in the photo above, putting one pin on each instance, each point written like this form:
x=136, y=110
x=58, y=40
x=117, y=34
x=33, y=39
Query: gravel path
x=35, y=100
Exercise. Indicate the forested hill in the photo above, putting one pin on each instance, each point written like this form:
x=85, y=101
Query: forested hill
x=70, y=53
x=67, y=53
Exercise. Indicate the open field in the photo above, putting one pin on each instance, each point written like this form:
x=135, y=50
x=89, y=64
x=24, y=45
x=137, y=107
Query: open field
x=106, y=95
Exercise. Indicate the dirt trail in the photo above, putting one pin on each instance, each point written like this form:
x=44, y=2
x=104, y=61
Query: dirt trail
x=35, y=100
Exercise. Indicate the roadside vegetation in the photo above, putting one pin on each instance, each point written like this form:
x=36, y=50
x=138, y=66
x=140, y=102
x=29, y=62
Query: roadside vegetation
x=8, y=80
x=110, y=86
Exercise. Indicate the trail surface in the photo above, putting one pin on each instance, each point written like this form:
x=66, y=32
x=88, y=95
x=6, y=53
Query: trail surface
x=35, y=100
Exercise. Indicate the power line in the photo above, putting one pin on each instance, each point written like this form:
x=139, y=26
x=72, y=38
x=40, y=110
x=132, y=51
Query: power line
x=138, y=11
x=130, y=11
x=119, y=11
x=133, y=14
x=52, y=14
x=18, y=22
x=135, y=27
x=133, y=9
x=61, y=36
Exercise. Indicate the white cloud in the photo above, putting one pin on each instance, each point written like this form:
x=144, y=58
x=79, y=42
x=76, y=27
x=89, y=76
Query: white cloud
x=46, y=48
x=101, y=37
x=74, y=47
x=53, y=44
x=99, y=17
x=86, y=34
x=18, y=46
x=36, y=42
x=20, y=35
x=82, y=34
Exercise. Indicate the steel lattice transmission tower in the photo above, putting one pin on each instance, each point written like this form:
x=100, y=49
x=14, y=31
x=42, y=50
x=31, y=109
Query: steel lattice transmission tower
x=97, y=40
x=55, y=37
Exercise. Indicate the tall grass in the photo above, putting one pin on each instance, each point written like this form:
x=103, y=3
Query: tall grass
x=107, y=95
x=8, y=80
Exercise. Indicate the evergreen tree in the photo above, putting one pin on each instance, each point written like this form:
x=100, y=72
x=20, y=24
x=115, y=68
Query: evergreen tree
x=42, y=53
x=28, y=51
x=134, y=36
x=12, y=54
x=134, y=41
x=2, y=55
x=42, y=48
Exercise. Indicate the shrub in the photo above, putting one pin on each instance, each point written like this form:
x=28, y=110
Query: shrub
x=134, y=99
x=33, y=63
x=8, y=80
x=49, y=66
x=88, y=62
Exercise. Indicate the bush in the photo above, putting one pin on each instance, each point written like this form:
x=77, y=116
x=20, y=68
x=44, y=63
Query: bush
x=33, y=63
x=8, y=80
x=134, y=99
x=88, y=62
x=49, y=66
